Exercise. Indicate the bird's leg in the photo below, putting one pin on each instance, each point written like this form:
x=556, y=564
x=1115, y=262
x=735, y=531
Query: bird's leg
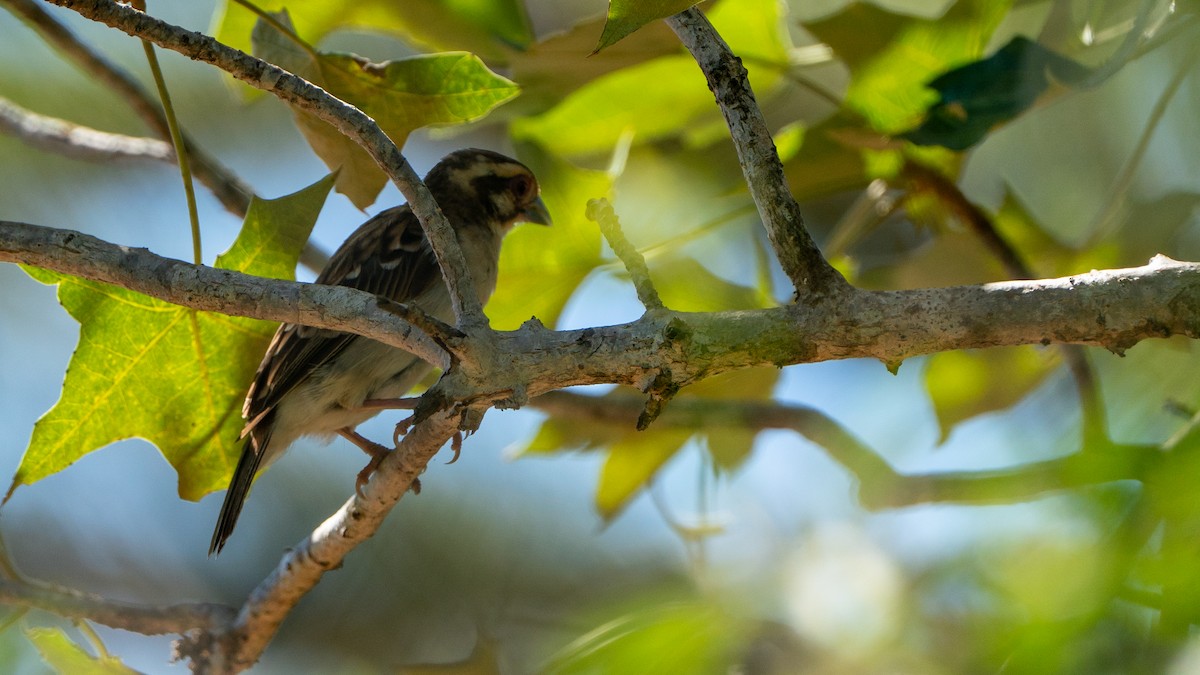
x=377, y=453
x=391, y=403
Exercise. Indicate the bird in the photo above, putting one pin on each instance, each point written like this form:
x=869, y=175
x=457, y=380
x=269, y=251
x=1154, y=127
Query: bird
x=314, y=381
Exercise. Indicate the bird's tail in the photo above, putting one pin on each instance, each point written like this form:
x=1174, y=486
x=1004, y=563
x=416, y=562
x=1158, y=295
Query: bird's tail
x=239, y=487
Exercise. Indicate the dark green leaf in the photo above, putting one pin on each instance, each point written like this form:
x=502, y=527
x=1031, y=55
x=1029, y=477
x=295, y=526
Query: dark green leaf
x=976, y=98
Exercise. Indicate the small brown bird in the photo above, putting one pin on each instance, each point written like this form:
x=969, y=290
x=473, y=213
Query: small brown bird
x=314, y=381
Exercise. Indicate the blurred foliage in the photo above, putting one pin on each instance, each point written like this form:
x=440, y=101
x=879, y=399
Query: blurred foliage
x=995, y=89
x=68, y=658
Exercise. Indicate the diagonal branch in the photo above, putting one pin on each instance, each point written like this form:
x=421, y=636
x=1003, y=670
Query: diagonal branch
x=347, y=119
x=810, y=273
x=303, y=566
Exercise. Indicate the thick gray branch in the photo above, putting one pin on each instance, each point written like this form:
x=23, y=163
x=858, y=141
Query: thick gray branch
x=344, y=117
x=145, y=619
x=209, y=289
x=1114, y=309
x=810, y=273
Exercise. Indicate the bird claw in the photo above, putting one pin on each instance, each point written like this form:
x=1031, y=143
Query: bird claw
x=456, y=442
x=360, y=482
x=402, y=428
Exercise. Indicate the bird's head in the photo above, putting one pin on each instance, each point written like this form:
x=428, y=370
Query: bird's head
x=470, y=182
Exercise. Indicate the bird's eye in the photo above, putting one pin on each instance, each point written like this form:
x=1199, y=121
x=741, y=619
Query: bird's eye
x=522, y=187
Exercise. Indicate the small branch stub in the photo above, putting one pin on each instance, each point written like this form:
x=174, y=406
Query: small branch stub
x=600, y=211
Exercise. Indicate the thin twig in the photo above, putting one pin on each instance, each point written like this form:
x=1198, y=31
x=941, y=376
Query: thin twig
x=233, y=194
x=600, y=211
x=77, y=141
x=802, y=261
x=145, y=619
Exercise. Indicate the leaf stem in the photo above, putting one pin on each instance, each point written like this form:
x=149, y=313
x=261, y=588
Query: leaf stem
x=185, y=169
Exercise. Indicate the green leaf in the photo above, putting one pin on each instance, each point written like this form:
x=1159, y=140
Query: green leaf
x=964, y=384
x=490, y=28
x=665, y=97
x=687, y=286
x=173, y=376
x=68, y=658
x=675, y=637
x=401, y=96
x=541, y=267
x=558, y=65
x=976, y=98
x=888, y=83
x=626, y=16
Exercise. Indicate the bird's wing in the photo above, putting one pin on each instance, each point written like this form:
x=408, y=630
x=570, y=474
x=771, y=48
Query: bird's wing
x=388, y=255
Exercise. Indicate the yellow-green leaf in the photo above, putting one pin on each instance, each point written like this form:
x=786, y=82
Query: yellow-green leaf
x=541, y=267
x=664, y=97
x=173, y=376
x=401, y=96
x=888, y=83
x=68, y=658
x=964, y=384
x=626, y=16
x=490, y=28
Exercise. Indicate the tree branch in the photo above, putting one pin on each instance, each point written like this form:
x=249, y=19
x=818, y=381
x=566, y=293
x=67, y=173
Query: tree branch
x=1114, y=309
x=73, y=140
x=303, y=566
x=145, y=619
x=881, y=486
x=210, y=289
x=233, y=193
x=810, y=273
x=347, y=119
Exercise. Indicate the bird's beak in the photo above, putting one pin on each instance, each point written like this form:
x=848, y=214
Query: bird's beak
x=537, y=213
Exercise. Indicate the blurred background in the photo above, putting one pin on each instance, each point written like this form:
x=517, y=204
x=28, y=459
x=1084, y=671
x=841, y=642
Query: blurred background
x=748, y=555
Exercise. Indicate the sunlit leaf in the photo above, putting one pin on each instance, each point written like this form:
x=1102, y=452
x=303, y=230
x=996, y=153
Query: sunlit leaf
x=558, y=65
x=888, y=82
x=68, y=658
x=664, y=97
x=490, y=28
x=401, y=96
x=173, y=376
x=963, y=384
x=626, y=16
x=687, y=286
x=541, y=267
